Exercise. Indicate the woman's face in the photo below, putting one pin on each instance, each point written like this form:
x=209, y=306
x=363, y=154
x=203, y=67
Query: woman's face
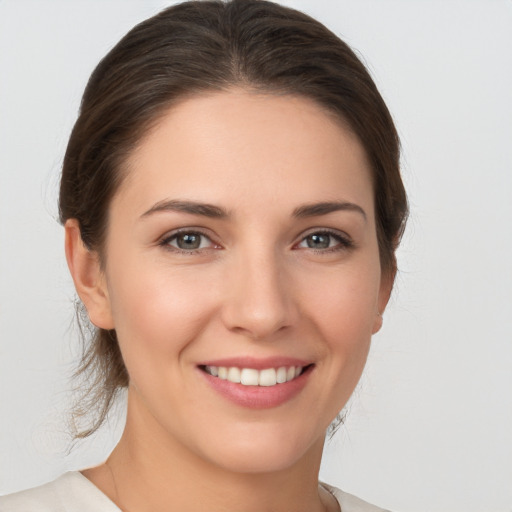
x=242, y=244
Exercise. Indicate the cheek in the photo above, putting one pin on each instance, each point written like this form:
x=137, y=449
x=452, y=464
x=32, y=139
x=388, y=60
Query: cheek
x=344, y=315
x=346, y=306
x=157, y=313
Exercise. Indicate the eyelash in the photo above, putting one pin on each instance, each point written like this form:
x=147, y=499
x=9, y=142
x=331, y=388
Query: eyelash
x=344, y=242
x=166, y=241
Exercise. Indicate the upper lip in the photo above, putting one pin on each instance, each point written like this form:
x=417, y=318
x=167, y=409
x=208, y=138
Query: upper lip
x=256, y=363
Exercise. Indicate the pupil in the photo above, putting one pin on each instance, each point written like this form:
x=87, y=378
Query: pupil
x=189, y=241
x=318, y=241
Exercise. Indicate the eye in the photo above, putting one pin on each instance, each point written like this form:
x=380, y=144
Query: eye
x=325, y=241
x=188, y=241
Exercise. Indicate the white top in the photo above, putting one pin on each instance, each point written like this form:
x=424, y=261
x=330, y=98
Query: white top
x=72, y=492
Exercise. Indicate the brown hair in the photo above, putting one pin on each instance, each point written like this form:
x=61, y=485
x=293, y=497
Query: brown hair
x=201, y=46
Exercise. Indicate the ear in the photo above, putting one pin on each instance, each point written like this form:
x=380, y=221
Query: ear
x=386, y=286
x=88, y=277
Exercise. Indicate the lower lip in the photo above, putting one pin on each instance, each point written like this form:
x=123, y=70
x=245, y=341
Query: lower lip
x=258, y=397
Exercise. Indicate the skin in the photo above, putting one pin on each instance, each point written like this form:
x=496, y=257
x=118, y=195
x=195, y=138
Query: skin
x=253, y=288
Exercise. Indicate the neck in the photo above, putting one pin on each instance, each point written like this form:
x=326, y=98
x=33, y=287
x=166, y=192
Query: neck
x=150, y=470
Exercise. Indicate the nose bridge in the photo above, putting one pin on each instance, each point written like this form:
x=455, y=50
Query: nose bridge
x=260, y=299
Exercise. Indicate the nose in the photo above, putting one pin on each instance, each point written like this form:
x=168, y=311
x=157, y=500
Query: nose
x=260, y=300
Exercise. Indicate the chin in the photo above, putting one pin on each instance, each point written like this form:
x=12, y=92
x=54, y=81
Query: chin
x=263, y=451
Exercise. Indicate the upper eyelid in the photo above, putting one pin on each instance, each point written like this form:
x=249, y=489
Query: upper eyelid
x=165, y=239
x=206, y=233
x=197, y=230
x=344, y=240
x=330, y=231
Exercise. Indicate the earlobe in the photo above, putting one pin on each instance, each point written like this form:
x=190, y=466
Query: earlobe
x=386, y=286
x=90, y=284
x=377, y=324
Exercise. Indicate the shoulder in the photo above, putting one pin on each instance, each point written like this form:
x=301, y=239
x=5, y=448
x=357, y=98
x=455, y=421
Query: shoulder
x=71, y=492
x=350, y=503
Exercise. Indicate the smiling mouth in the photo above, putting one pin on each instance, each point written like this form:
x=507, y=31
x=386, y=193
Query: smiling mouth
x=252, y=377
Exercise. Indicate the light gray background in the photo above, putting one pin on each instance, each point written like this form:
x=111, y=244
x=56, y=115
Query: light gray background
x=430, y=425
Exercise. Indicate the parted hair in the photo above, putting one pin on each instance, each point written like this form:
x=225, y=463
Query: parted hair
x=185, y=50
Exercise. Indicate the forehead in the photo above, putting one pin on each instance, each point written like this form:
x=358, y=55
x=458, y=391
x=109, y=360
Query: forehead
x=242, y=148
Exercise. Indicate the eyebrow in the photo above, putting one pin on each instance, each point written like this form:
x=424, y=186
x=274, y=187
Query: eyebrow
x=317, y=209
x=216, y=212
x=192, y=207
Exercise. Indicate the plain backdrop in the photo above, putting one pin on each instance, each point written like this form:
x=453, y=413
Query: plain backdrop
x=430, y=426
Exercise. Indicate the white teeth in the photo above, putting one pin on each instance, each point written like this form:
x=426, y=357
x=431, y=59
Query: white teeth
x=249, y=377
x=267, y=377
x=252, y=377
x=234, y=375
x=212, y=370
x=281, y=375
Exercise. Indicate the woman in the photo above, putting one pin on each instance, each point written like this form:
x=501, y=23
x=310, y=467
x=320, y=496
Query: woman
x=232, y=204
